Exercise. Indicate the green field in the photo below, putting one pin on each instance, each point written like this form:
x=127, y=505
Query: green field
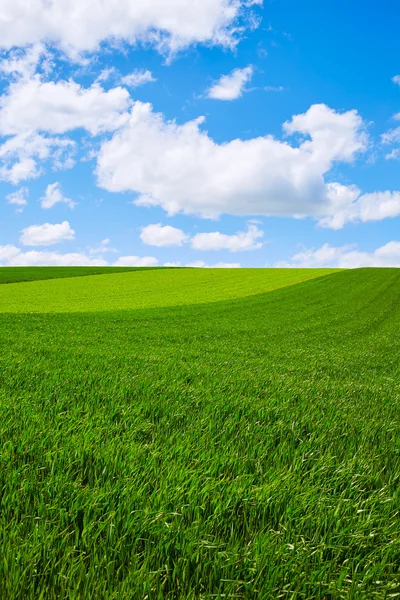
x=201, y=434
x=15, y=274
x=146, y=289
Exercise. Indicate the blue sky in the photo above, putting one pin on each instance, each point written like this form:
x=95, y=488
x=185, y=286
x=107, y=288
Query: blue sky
x=222, y=133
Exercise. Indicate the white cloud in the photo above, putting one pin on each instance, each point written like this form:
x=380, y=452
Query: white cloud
x=107, y=74
x=103, y=248
x=77, y=26
x=53, y=195
x=23, y=63
x=47, y=234
x=32, y=109
x=352, y=207
x=13, y=256
x=136, y=261
x=157, y=235
x=58, y=107
x=346, y=257
x=137, y=78
x=243, y=240
x=200, y=264
x=396, y=79
x=181, y=169
x=334, y=136
x=393, y=135
x=19, y=198
x=232, y=86
x=22, y=156
x=393, y=154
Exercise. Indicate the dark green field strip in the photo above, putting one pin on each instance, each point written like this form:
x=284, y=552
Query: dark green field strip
x=242, y=449
x=23, y=274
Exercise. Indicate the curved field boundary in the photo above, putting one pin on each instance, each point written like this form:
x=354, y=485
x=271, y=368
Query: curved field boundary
x=24, y=274
x=155, y=288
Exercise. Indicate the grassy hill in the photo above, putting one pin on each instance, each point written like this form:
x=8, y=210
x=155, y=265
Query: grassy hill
x=146, y=289
x=241, y=448
x=16, y=274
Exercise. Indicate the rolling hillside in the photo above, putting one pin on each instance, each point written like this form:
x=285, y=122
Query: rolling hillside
x=242, y=447
x=146, y=288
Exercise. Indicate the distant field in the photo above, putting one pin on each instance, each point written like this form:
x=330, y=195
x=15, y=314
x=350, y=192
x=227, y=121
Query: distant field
x=15, y=274
x=244, y=448
x=146, y=289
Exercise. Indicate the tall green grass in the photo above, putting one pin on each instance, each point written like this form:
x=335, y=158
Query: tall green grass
x=240, y=449
x=146, y=288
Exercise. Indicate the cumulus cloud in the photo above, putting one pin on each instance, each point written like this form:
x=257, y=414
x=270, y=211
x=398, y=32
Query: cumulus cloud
x=33, y=111
x=77, y=26
x=352, y=206
x=232, y=86
x=181, y=169
x=137, y=78
x=333, y=136
x=23, y=63
x=164, y=236
x=346, y=257
x=243, y=240
x=157, y=235
x=200, y=264
x=53, y=195
x=136, y=261
x=47, y=234
x=22, y=156
x=58, y=107
x=396, y=79
x=19, y=198
x=13, y=256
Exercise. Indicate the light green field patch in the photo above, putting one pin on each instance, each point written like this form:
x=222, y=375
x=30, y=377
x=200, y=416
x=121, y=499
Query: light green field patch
x=146, y=289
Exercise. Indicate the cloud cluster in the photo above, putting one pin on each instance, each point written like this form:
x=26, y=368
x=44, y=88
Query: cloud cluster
x=34, y=113
x=13, y=256
x=241, y=241
x=164, y=236
x=47, y=234
x=77, y=27
x=200, y=264
x=346, y=257
x=182, y=169
x=62, y=106
x=136, y=261
x=22, y=156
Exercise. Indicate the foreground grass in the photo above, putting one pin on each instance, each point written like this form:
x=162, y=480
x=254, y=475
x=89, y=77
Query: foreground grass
x=146, y=289
x=243, y=449
x=17, y=274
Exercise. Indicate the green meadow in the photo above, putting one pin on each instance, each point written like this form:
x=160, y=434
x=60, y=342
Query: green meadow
x=146, y=288
x=16, y=274
x=200, y=434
